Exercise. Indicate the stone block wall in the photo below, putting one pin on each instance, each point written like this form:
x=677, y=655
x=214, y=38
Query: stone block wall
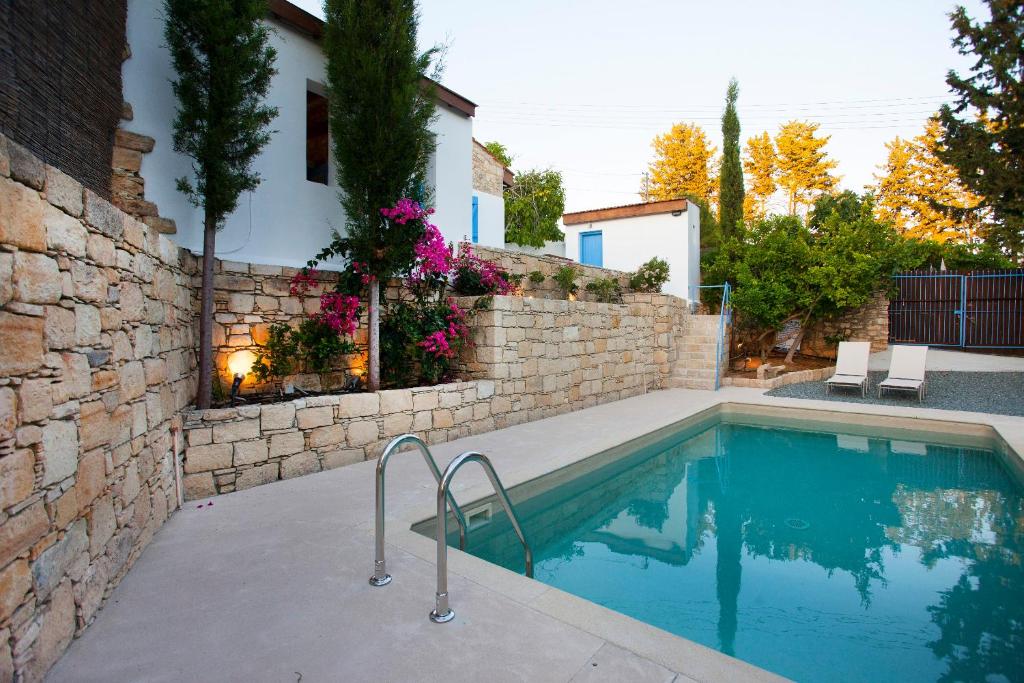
x=96, y=360
x=867, y=323
x=520, y=263
x=531, y=359
x=230, y=449
x=550, y=356
x=488, y=172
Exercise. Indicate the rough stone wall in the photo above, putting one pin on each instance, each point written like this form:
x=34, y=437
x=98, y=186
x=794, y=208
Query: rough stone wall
x=487, y=171
x=96, y=360
x=519, y=263
x=867, y=323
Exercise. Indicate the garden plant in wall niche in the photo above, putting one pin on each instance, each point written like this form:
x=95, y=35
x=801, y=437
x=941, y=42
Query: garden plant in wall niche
x=319, y=341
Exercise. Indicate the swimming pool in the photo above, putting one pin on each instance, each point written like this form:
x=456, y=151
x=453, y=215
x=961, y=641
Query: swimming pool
x=855, y=554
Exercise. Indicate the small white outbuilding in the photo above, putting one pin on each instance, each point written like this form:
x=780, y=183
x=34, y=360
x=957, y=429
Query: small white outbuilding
x=625, y=237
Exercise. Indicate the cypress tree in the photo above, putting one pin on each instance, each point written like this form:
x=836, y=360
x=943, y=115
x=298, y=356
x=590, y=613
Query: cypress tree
x=987, y=145
x=380, y=111
x=224, y=64
x=730, y=212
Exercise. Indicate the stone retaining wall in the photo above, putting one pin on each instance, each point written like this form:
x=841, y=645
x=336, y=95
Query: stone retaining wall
x=813, y=375
x=520, y=263
x=870, y=323
x=552, y=356
x=96, y=360
x=230, y=449
x=532, y=358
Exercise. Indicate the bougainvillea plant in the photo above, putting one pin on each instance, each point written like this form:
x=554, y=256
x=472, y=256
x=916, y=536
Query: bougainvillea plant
x=316, y=344
x=473, y=276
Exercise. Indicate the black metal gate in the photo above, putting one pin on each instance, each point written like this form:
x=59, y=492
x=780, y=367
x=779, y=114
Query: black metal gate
x=981, y=309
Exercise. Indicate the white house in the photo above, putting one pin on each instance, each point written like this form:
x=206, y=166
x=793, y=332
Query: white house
x=292, y=214
x=625, y=237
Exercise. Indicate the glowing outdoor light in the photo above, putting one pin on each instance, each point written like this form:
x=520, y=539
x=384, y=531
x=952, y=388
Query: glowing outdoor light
x=240, y=364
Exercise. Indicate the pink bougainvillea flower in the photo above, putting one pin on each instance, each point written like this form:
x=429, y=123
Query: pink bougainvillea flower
x=340, y=312
x=303, y=281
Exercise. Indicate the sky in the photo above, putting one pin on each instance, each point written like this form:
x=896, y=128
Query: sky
x=584, y=86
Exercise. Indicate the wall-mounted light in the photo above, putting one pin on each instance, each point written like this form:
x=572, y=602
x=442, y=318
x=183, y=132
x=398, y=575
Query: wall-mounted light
x=239, y=365
x=677, y=213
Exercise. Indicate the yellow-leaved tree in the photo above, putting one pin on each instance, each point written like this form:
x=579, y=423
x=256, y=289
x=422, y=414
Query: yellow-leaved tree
x=683, y=166
x=915, y=186
x=760, y=165
x=805, y=171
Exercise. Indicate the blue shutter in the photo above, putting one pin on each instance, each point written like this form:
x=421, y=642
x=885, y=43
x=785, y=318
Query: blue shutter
x=476, y=219
x=590, y=249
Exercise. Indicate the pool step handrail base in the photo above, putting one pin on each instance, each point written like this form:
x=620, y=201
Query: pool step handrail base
x=380, y=574
x=442, y=611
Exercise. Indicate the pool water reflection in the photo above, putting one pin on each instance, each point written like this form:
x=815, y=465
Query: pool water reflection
x=816, y=555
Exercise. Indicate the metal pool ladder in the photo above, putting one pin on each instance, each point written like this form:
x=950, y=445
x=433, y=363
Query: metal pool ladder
x=380, y=575
x=442, y=610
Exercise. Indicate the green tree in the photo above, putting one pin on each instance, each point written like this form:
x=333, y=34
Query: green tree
x=533, y=206
x=223, y=65
x=380, y=108
x=730, y=212
x=500, y=151
x=984, y=131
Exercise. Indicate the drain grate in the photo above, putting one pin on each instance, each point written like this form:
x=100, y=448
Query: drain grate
x=798, y=524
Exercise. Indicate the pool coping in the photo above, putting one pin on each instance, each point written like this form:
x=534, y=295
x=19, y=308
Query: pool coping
x=667, y=649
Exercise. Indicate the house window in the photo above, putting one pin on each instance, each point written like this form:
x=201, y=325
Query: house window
x=317, y=149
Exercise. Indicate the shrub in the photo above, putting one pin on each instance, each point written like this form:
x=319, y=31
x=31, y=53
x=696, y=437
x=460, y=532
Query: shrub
x=606, y=290
x=566, y=279
x=536, y=277
x=650, y=277
x=314, y=346
x=473, y=276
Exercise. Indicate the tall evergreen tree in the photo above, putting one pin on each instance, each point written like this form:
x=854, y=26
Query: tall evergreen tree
x=380, y=113
x=224, y=65
x=731, y=193
x=984, y=131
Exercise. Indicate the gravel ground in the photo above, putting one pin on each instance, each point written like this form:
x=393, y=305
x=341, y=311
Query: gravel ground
x=999, y=393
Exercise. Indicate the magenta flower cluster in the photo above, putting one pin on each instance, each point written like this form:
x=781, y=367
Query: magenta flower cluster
x=303, y=281
x=433, y=256
x=406, y=210
x=340, y=312
x=491, y=275
x=445, y=343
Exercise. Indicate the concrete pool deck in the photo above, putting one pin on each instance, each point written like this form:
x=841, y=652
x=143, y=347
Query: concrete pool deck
x=271, y=583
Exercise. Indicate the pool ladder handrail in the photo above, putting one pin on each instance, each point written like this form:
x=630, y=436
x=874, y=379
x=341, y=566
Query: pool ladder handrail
x=380, y=575
x=442, y=610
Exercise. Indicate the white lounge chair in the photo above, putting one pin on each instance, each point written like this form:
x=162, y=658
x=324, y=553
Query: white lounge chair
x=906, y=370
x=851, y=367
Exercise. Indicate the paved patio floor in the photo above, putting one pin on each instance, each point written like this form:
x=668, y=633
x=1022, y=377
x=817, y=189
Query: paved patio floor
x=270, y=584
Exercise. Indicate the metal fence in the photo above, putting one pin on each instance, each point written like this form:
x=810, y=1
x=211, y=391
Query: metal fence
x=980, y=309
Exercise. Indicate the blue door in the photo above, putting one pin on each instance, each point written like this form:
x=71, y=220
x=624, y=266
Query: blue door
x=476, y=219
x=590, y=248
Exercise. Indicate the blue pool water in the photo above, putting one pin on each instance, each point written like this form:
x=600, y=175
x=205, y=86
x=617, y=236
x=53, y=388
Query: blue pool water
x=816, y=555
